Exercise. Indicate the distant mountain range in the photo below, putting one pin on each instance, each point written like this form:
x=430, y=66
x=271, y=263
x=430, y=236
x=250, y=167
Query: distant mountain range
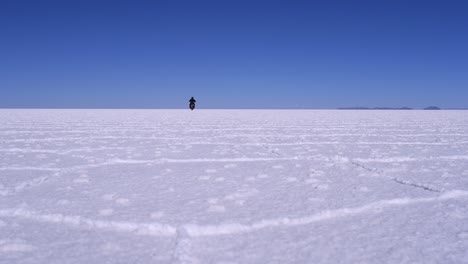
x=387, y=108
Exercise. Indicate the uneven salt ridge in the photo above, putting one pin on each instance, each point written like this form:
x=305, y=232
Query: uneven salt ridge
x=158, y=229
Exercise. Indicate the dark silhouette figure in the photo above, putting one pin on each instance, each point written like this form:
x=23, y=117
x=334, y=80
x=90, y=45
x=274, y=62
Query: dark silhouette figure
x=192, y=103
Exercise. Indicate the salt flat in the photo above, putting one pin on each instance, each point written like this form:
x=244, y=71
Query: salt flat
x=233, y=186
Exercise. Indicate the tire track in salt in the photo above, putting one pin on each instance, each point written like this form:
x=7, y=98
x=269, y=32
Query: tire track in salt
x=396, y=179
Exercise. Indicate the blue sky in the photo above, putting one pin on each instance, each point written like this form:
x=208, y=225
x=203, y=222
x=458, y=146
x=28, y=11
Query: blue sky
x=233, y=54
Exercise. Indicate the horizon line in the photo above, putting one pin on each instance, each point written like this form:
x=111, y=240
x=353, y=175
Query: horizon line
x=124, y=108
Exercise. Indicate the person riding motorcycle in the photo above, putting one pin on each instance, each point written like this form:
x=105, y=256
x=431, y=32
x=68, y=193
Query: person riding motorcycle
x=192, y=103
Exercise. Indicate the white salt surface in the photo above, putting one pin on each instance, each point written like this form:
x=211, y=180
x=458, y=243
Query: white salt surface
x=233, y=186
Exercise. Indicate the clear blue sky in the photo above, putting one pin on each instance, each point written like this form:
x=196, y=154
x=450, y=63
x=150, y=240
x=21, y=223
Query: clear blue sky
x=233, y=53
